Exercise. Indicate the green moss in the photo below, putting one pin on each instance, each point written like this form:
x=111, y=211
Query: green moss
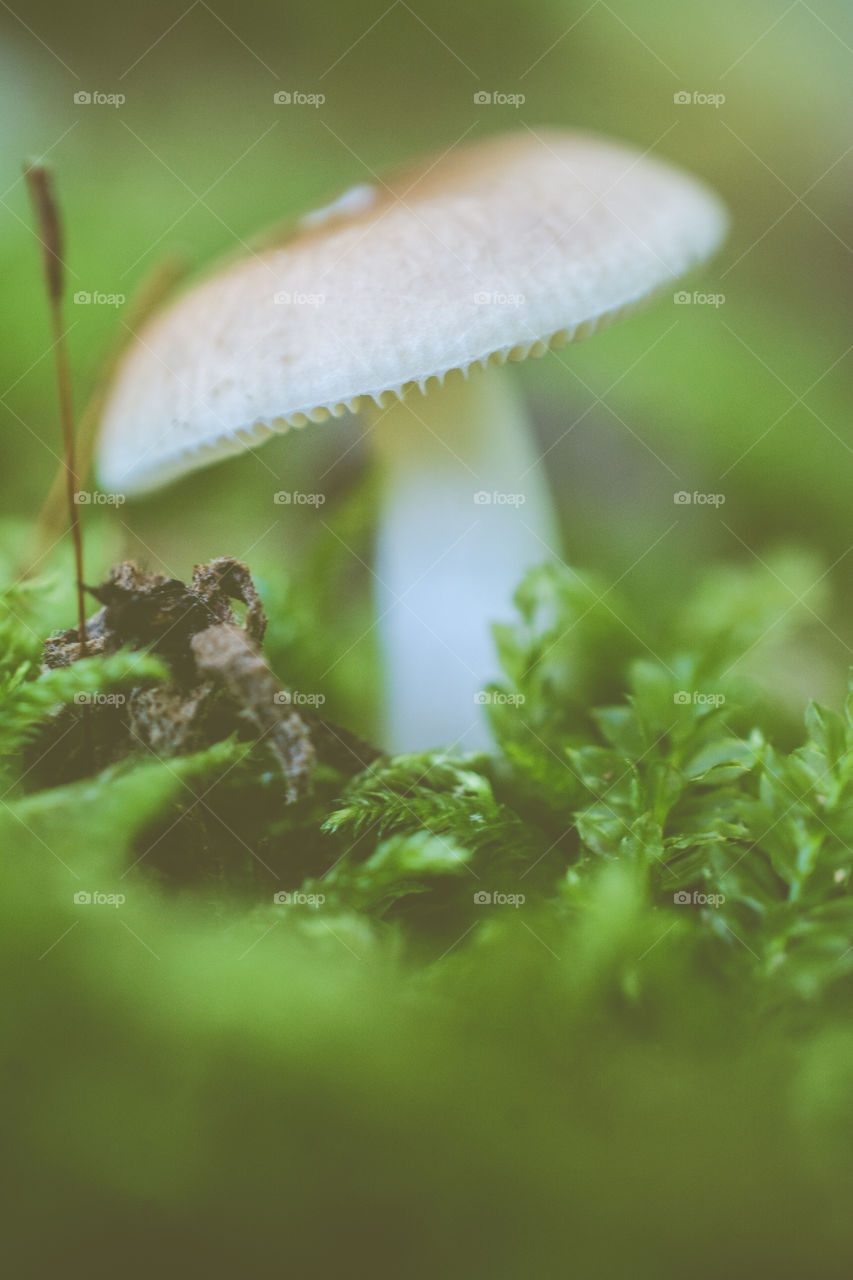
x=455, y=999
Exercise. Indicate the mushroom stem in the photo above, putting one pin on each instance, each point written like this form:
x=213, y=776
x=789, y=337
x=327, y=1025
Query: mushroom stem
x=465, y=511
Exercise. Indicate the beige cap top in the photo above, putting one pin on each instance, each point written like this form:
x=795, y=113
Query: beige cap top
x=494, y=251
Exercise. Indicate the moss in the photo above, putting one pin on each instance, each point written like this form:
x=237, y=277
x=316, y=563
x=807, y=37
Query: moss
x=602, y=974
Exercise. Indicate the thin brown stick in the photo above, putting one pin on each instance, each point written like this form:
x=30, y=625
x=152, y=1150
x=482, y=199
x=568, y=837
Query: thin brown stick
x=153, y=291
x=40, y=183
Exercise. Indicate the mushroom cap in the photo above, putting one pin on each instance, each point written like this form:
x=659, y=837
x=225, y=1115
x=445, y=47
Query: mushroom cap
x=492, y=252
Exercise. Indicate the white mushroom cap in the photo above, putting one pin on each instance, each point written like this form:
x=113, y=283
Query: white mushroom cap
x=493, y=252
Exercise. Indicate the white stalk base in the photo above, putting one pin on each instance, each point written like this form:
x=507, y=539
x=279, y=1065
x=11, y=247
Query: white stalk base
x=465, y=513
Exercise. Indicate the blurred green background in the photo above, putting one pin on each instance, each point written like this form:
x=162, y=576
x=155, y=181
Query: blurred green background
x=749, y=399
x=227, y=1097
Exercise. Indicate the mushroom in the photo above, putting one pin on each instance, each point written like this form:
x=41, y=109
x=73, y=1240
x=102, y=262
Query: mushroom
x=402, y=301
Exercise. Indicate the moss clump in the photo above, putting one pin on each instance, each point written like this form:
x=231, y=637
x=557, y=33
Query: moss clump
x=601, y=977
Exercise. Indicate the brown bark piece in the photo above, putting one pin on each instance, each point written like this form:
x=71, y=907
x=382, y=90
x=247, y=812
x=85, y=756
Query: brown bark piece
x=227, y=655
x=221, y=681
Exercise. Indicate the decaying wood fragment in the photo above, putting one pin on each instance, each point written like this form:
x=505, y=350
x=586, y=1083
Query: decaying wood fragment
x=230, y=658
x=220, y=680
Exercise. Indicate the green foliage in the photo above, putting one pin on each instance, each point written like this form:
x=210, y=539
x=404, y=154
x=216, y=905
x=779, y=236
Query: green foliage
x=400, y=866
x=609, y=752
x=29, y=699
x=637, y=907
x=751, y=845
x=428, y=792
